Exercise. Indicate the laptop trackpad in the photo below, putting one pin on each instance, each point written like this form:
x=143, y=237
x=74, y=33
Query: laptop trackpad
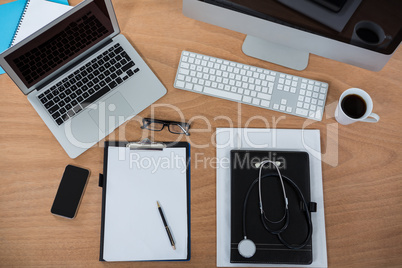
x=111, y=113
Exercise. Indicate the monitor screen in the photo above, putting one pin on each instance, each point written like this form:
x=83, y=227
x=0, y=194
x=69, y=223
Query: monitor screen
x=371, y=24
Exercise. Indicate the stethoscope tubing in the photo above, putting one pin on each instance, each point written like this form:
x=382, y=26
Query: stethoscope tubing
x=278, y=232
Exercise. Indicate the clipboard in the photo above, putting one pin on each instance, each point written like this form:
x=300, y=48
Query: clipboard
x=133, y=230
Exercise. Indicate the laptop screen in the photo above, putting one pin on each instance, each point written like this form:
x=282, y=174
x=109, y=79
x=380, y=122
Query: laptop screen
x=60, y=44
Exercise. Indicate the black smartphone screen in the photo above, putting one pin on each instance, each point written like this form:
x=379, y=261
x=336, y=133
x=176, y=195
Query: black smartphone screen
x=71, y=189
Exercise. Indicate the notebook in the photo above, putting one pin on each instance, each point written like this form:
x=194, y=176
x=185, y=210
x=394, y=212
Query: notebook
x=269, y=249
x=36, y=14
x=83, y=78
x=134, y=180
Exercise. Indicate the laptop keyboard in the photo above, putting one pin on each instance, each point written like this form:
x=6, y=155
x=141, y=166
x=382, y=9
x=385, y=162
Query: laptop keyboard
x=75, y=92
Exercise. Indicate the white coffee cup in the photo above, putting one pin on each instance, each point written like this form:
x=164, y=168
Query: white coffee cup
x=355, y=105
x=380, y=39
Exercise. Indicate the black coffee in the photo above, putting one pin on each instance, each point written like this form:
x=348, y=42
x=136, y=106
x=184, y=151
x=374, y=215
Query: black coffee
x=354, y=106
x=368, y=35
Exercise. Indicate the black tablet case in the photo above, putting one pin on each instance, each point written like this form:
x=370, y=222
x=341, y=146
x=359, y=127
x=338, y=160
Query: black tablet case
x=269, y=248
x=102, y=183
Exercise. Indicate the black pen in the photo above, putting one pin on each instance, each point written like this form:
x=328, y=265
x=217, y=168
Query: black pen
x=166, y=226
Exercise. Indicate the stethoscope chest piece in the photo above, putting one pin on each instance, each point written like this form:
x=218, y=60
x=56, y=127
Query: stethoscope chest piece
x=246, y=248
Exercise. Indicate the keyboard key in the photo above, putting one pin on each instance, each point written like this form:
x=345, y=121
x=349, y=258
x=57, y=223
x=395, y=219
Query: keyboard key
x=301, y=111
x=265, y=103
x=256, y=101
x=49, y=104
x=96, y=96
x=264, y=96
x=55, y=115
x=188, y=86
x=197, y=88
x=77, y=109
x=224, y=94
x=247, y=99
x=112, y=84
x=49, y=95
x=71, y=113
x=59, y=121
x=180, y=84
x=53, y=109
x=184, y=71
x=127, y=66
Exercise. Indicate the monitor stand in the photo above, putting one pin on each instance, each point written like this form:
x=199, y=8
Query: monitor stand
x=275, y=53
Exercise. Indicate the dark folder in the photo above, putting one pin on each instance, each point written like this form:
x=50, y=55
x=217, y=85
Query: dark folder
x=269, y=249
x=151, y=149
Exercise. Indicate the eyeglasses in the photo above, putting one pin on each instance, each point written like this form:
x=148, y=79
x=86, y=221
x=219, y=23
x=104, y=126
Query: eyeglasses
x=173, y=126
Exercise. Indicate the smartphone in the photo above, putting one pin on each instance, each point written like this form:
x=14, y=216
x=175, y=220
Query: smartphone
x=70, y=192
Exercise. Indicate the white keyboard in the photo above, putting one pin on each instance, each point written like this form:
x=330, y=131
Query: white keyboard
x=251, y=85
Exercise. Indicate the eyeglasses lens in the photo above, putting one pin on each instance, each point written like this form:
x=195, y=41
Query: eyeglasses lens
x=154, y=126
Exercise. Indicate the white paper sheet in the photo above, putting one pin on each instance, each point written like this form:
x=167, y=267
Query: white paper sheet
x=136, y=179
x=38, y=13
x=228, y=139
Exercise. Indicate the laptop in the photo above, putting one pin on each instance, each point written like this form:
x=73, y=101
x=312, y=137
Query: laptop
x=83, y=78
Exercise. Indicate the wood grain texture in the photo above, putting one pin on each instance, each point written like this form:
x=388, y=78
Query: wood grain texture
x=361, y=168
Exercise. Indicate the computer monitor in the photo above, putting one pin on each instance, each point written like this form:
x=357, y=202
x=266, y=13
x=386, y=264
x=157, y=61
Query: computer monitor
x=361, y=33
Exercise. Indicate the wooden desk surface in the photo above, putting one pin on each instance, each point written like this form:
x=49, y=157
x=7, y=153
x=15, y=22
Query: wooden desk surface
x=361, y=162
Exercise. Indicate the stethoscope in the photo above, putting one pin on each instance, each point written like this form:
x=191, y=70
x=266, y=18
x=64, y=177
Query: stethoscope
x=247, y=247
